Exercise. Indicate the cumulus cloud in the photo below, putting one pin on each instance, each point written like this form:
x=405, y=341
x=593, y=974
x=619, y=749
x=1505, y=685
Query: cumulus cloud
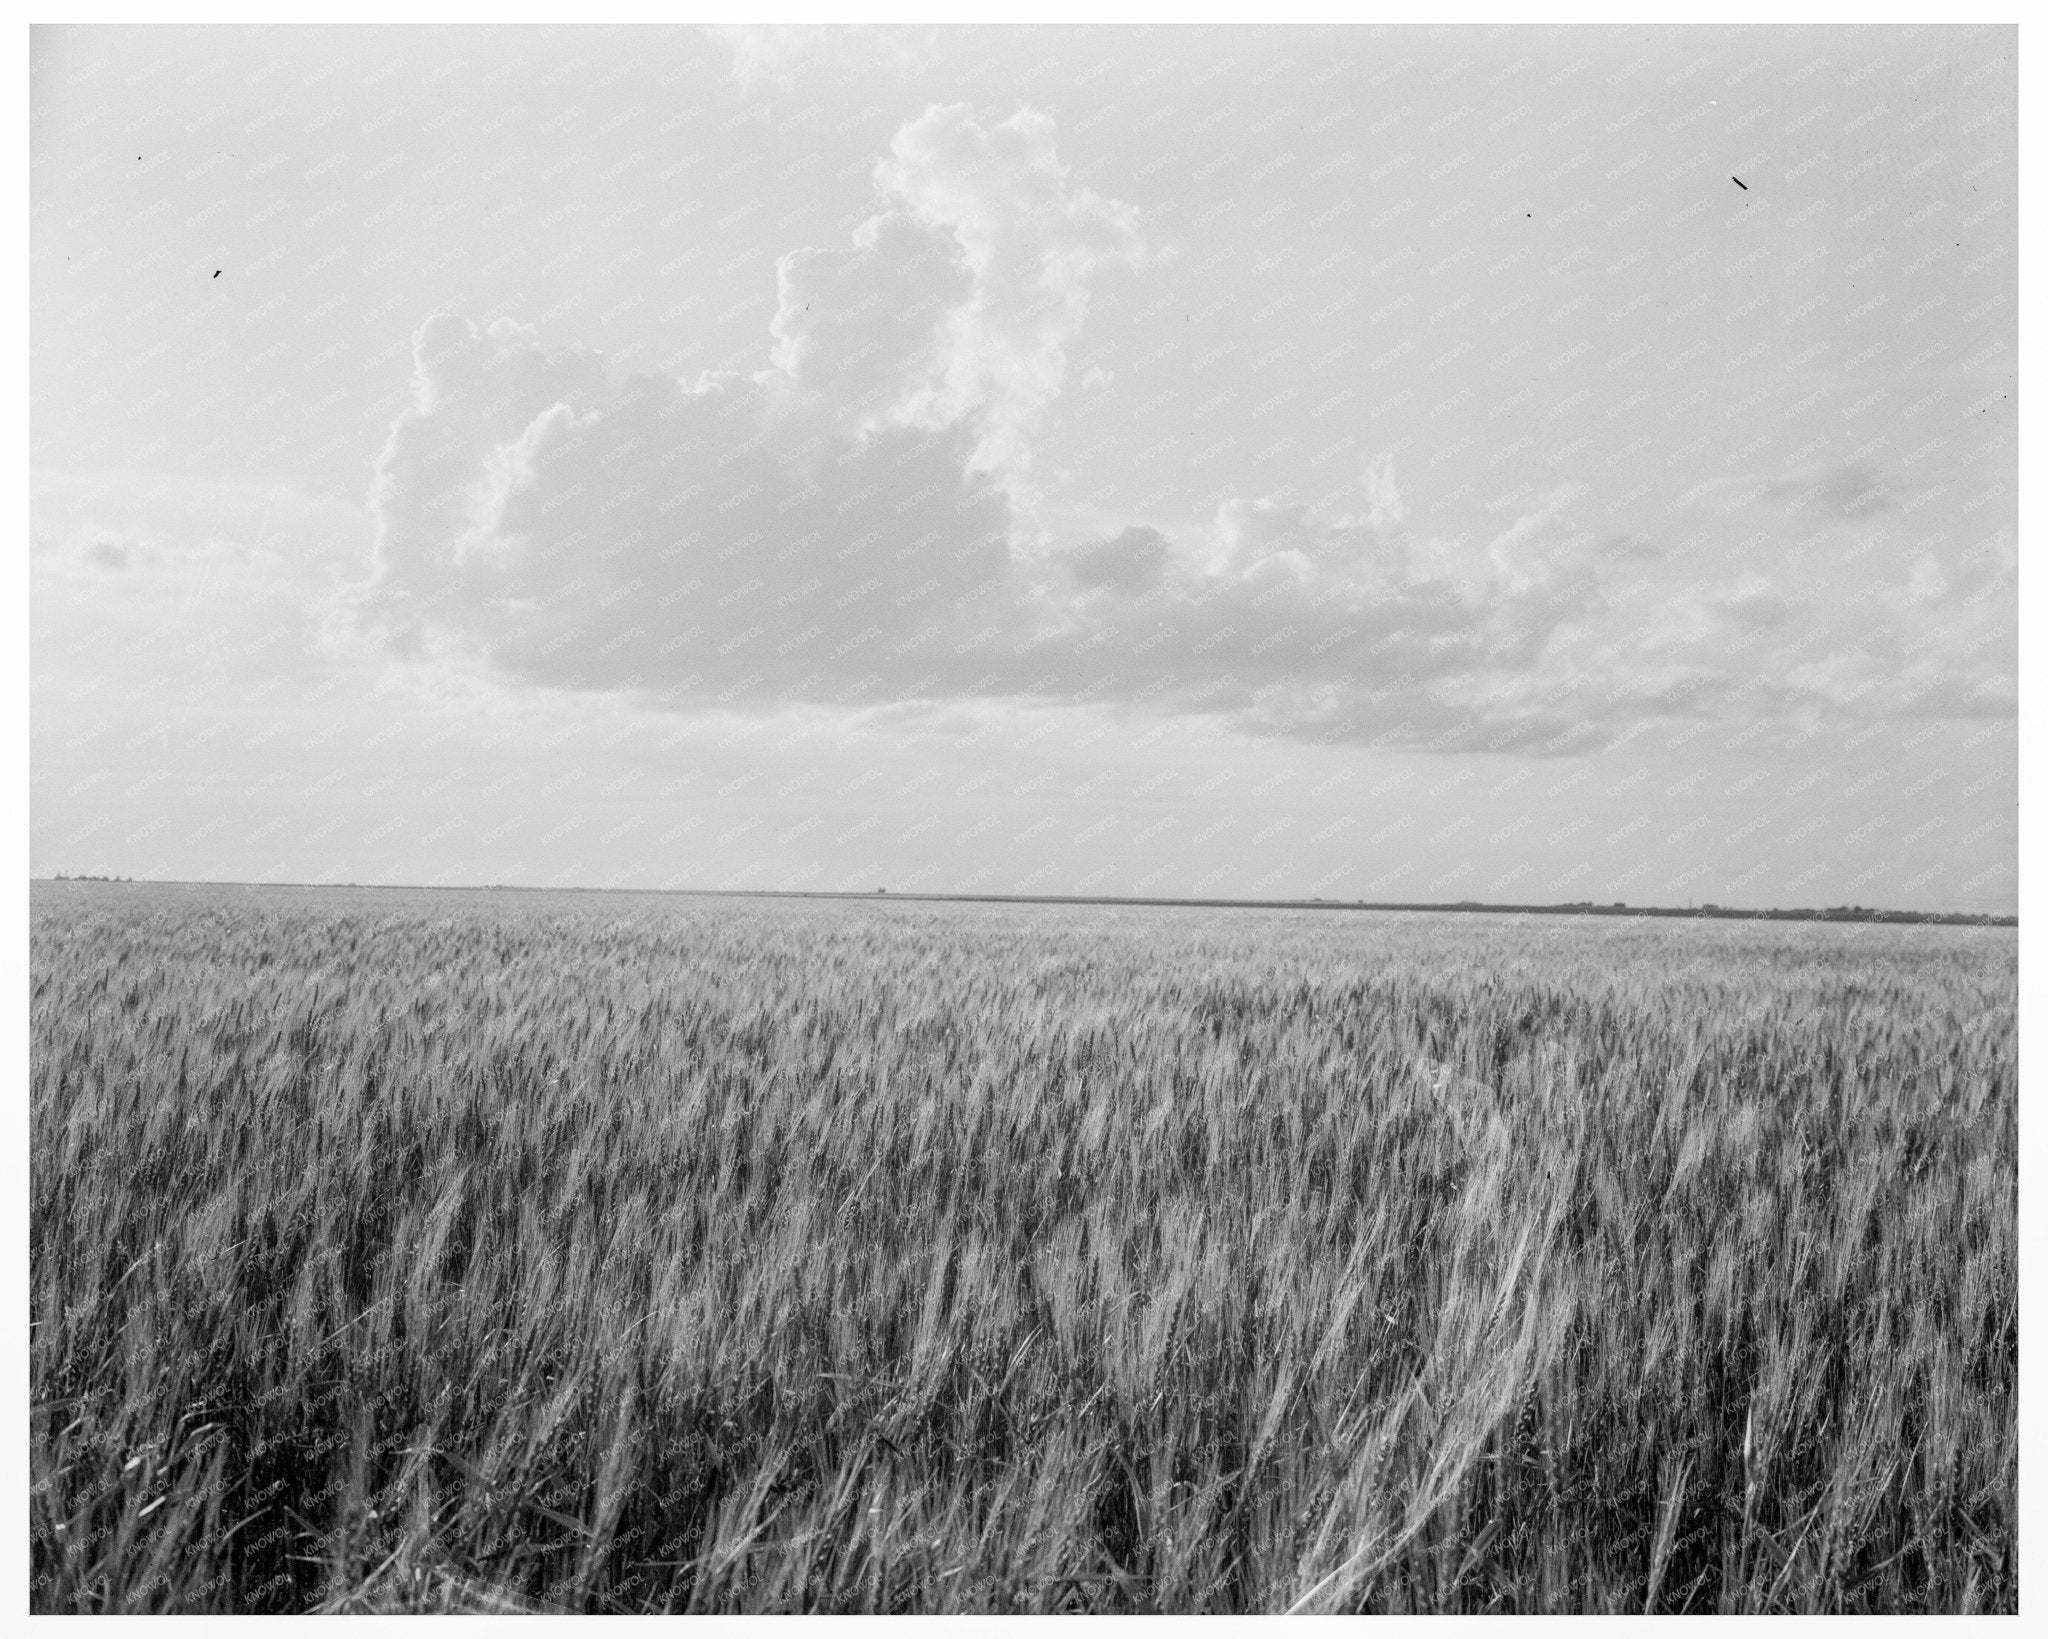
x=693, y=541
x=958, y=301
x=734, y=542
x=847, y=526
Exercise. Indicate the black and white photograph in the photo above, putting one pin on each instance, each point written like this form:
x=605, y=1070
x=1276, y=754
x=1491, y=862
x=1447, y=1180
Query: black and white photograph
x=1159, y=817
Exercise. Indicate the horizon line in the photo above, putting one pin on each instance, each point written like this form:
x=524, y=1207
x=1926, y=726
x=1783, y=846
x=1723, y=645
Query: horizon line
x=1576, y=907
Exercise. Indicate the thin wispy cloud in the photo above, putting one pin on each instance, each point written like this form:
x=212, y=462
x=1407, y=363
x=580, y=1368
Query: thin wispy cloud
x=770, y=58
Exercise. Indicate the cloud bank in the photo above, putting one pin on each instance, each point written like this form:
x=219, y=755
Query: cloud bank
x=848, y=526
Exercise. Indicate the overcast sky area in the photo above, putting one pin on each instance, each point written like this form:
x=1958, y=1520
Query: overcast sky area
x=1521, y=465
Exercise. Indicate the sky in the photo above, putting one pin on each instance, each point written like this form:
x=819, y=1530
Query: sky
x=1512, y=464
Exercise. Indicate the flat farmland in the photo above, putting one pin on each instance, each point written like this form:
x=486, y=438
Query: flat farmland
x=408, y=1250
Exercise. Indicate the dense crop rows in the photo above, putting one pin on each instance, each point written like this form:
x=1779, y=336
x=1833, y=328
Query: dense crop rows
x=608, y=1253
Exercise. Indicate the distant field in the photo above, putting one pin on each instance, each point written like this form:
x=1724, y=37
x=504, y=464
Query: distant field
x=405, y=1250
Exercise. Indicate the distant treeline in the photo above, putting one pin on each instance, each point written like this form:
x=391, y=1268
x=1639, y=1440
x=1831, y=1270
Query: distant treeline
x=1832, y=913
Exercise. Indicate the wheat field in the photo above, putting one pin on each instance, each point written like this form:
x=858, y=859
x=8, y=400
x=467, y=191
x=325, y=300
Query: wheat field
x=406, y=1250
